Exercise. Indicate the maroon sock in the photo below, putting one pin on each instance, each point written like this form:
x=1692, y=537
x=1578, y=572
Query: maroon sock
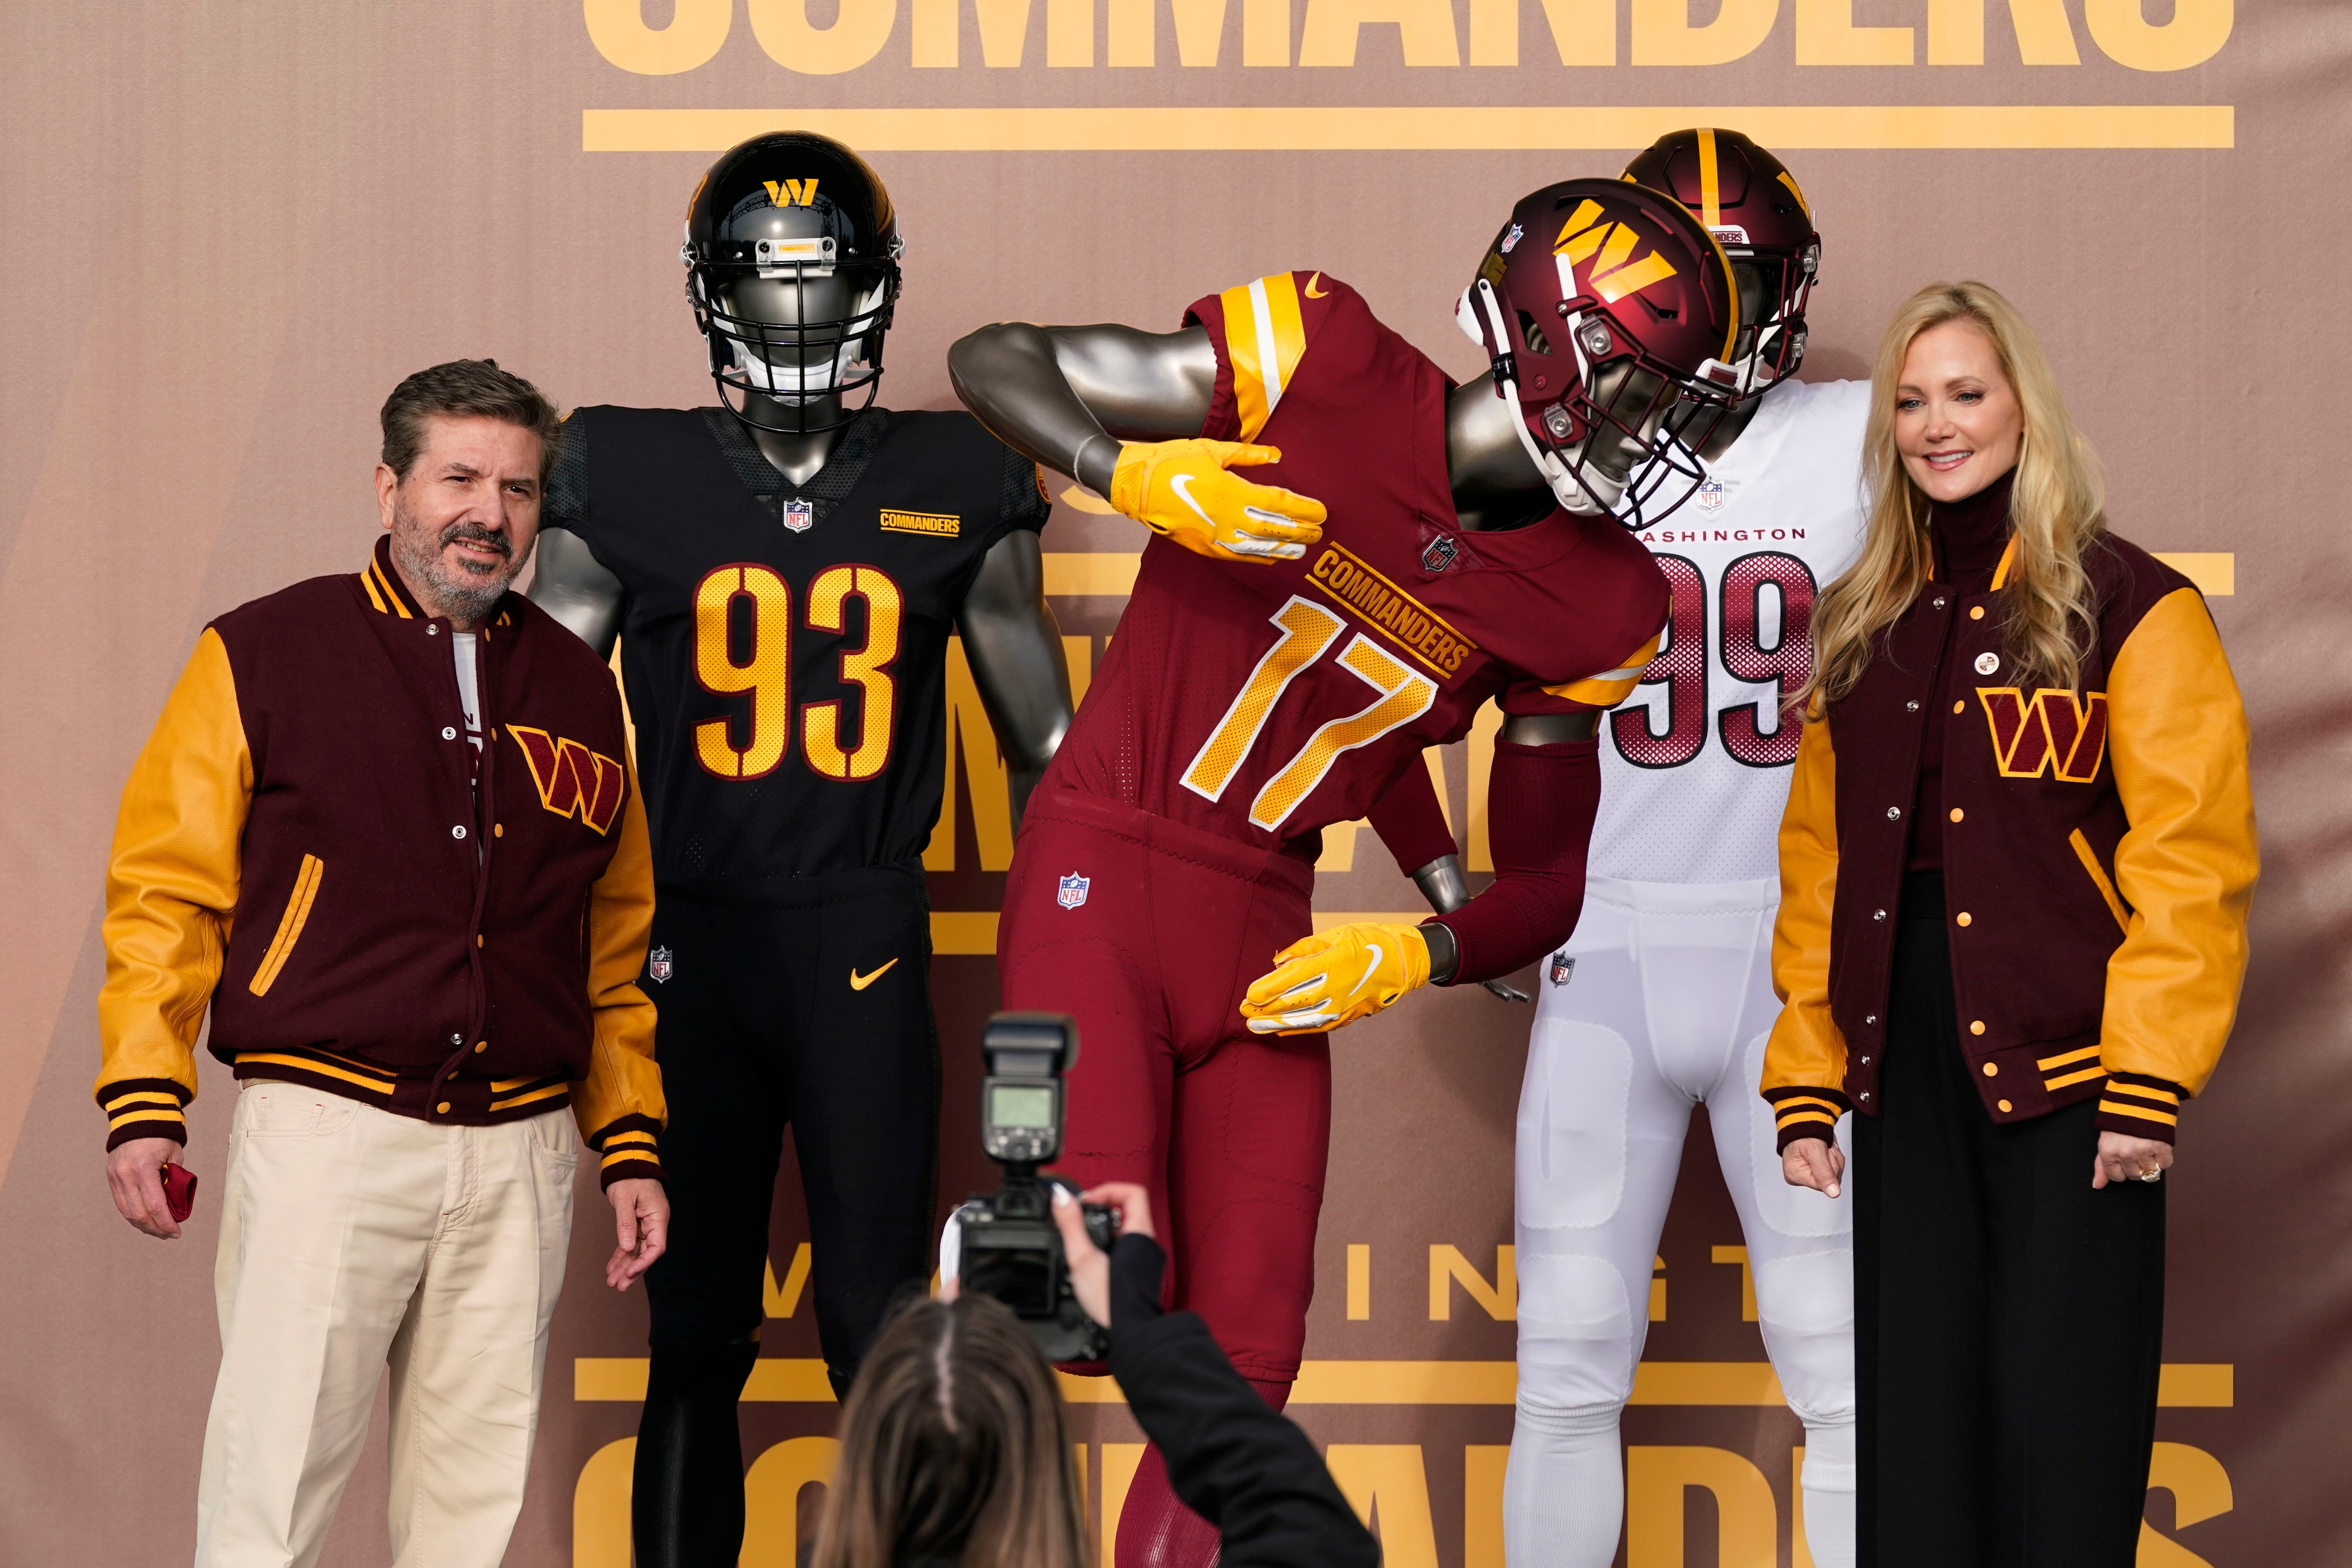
x=1155, y=1528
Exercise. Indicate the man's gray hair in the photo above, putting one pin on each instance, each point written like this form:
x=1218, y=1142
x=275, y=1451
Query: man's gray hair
x=463, y=388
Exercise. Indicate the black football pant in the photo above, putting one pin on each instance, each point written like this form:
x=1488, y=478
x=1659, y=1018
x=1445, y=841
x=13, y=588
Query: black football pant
x=2009, y=1320
x=810, y=1009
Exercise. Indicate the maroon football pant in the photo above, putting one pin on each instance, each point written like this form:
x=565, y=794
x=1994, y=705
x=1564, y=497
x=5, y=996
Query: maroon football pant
x=1227, y=1129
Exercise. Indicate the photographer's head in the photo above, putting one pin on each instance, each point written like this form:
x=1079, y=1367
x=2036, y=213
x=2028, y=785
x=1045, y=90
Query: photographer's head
x=954, y=1450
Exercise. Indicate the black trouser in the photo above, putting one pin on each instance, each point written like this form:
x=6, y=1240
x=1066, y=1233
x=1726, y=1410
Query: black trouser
x=2008, y=1319
x=815, y=1013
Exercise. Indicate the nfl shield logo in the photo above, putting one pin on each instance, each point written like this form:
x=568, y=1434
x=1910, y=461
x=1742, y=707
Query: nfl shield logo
x=799, y=516
x=1512, y=239
x=657, y=964
x=1562, y=967
x=1073, y=891
x=1710, y=495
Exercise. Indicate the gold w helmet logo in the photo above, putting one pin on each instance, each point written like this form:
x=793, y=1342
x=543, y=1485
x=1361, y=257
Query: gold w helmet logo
x=2048, y=732
x=790, y=193
x=1590, y=235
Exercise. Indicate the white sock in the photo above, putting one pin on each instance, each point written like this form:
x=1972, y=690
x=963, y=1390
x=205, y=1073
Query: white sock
x=1829, y=1483
x=1564, y=1491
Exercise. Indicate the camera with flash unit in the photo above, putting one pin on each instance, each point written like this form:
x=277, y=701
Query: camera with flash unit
x=1008, y=1246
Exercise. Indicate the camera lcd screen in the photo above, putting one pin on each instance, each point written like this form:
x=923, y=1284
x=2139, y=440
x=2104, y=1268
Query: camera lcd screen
x=1013, y=1105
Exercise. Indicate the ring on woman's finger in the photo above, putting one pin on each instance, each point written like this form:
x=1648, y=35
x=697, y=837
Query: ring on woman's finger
x=2155, y=1174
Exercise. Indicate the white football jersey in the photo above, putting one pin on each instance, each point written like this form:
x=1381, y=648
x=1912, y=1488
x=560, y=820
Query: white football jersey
x=1695, y=765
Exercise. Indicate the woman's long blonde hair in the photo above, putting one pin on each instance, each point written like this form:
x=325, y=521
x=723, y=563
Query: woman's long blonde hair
x=2057, y=509
x=954, y=1449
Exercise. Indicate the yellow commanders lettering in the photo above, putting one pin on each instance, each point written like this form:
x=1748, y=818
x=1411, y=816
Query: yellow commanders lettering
x=932, y=523
x=1419, y=630
x=1614, y=274
x=2050, y=732
x=573, y=780
x=792, y=192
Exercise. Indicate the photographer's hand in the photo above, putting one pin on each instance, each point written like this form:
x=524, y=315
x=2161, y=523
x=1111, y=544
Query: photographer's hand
x=1090, y=1265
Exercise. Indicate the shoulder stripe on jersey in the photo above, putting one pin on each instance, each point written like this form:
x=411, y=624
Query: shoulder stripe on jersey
x=1264, y=338
x=1611, y=687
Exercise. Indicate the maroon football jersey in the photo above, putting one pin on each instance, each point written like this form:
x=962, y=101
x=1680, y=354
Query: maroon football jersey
x=1265, y=702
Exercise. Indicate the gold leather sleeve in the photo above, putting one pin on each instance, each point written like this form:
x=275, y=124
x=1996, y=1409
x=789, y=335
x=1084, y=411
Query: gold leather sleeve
x=1806, y=1051
x=619, y=1105
x=2176, y=739
x=172, y=881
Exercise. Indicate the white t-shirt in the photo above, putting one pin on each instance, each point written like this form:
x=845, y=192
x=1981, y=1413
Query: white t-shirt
x=1695, y=767
x=469, y=691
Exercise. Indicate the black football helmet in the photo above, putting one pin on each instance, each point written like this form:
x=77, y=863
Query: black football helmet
x=793, y=208
x=1747, y=198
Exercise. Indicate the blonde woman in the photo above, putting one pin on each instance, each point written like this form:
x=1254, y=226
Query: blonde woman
x=2015, y=868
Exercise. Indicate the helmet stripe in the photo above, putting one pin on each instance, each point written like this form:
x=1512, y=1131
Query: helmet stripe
x=1710, y=181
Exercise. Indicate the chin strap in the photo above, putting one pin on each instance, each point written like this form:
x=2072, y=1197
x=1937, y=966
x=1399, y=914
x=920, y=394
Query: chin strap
x=1567, y=487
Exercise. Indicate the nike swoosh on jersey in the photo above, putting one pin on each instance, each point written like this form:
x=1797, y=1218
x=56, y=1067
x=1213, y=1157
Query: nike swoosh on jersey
x=1315, y=293
x=860, y=982
x=1182, y=485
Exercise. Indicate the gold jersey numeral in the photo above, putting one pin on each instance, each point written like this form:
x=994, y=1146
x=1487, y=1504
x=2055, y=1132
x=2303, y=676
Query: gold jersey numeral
x=1308, y=629
x=765, y=672
x=868, y=667
x=1405, y=695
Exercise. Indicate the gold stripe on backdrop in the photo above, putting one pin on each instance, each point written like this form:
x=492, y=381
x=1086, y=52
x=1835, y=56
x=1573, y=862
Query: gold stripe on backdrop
x=1420, y=127
x=2215, y=572
x=790, y=1380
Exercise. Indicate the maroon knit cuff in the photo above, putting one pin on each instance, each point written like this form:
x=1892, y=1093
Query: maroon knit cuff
x=631, y=1146
x=1799, y=1113
x=144, y=1108
x=2140, y=1106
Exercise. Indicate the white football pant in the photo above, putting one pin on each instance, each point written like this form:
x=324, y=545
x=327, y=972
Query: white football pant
x=1667, y=1006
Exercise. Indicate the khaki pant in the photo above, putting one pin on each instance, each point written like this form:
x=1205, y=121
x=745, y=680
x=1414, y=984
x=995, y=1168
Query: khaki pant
x=351, y=1238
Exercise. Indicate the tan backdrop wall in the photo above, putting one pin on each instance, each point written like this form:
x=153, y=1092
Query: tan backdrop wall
x=230, y=229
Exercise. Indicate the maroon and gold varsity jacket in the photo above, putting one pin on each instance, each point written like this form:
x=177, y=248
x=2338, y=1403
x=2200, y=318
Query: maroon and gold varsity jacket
x=309, y=845
x=2098, y=850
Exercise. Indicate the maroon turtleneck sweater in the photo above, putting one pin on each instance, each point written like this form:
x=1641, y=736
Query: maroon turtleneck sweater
x=1968, y=536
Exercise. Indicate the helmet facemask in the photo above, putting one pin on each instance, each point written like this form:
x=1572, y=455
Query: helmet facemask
x=1774, y=288
x=1610, y=430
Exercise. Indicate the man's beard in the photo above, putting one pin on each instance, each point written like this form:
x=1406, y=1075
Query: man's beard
x=465, y=594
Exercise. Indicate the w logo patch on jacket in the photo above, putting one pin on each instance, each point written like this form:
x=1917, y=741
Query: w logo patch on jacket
x=2051, y=731
x=573, y=780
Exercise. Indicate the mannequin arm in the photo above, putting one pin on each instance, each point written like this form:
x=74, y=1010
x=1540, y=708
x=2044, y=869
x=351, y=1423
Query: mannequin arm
x=1060, y=395
x=572, y=585
x=1015, y=647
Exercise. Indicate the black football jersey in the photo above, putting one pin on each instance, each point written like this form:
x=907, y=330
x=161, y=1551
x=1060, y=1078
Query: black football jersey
x=783, y=648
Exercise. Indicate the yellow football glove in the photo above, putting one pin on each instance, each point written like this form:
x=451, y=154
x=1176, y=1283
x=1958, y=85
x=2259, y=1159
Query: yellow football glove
x=1181, y=489
x=1337, y=976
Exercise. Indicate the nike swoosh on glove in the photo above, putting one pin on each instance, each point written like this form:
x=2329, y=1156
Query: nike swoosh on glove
x=1181, y=489
x=1337, y=976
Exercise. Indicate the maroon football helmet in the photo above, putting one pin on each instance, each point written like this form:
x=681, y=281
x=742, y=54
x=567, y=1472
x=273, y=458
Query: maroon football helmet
x=1610, y=315
x=1748, y=199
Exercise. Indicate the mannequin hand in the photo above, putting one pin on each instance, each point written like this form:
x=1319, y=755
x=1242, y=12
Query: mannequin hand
x=1813, y=1163
x=1181, y=489
x=2123, y=1158
x=1506, y=990
x=1336, y=977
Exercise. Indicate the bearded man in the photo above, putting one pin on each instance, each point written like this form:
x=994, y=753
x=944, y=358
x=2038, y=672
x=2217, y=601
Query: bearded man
x=386, y=833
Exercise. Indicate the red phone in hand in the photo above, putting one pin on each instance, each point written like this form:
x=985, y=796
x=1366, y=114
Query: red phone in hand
x=179, y=1192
